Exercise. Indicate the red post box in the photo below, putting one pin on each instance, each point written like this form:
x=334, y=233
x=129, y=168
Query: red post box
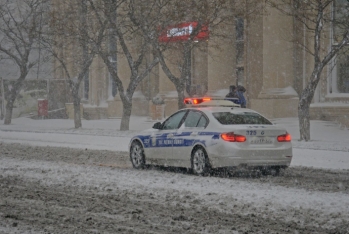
x=43, y=107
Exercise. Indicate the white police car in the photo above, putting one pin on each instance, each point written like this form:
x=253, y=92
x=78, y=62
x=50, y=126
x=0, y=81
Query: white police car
x=213, y=134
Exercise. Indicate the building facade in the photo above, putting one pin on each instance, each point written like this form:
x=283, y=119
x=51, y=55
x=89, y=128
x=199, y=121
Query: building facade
x=263, y=54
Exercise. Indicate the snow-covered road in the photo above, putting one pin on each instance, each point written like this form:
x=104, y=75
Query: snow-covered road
x=87, y=185
x=64, y=190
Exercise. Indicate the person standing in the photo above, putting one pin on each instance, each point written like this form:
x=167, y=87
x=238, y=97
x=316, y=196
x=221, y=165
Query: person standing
x=232, y=92
x=240, y=92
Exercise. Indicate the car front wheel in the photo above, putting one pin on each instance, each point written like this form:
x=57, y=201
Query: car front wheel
x=199, y=161
x=137, y=155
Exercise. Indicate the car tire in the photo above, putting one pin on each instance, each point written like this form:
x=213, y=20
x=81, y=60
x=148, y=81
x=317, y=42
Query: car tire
x=200, y=164
x=137, y=155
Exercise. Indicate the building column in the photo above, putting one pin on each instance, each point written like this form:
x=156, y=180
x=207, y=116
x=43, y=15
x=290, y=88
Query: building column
x=167, y=90
x=199, y=78
x=270, y=58
x=221, y=61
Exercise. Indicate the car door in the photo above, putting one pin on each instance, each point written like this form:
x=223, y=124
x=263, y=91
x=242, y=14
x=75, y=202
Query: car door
x=161, y=141
x=189, y=133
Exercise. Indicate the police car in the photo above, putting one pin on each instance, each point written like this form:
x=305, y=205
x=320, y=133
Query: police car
x=213, y=134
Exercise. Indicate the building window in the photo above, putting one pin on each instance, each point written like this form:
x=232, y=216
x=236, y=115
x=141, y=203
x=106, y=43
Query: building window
x=340, y=19
x=343, y=72
x=340, y=65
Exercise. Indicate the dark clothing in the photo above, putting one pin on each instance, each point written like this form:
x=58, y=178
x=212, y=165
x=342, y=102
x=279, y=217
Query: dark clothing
x=232, y=92
x=241, y=88
x=237, y=93
x=232, y=95
x=240, y=93
x=242, y=99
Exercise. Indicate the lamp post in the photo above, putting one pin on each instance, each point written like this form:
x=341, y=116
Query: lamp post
x=85, y=49
x=112, y=52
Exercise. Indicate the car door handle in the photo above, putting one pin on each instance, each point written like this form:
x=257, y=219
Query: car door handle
x=194, y=134
x=170, y=135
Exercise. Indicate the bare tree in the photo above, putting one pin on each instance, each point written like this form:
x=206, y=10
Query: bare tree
x=315, y=16
x=154, y=19
x=72, y=29
x=162, y=16
x=20, y=29
x=133, y=46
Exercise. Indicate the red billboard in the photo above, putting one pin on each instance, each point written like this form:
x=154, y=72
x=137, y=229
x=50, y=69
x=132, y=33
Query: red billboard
x=182, y=32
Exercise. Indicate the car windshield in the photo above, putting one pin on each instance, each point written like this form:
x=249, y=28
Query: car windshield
x=228, y=118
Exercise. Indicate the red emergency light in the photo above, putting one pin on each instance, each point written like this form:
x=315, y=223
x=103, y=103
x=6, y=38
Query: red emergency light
x=195, y=101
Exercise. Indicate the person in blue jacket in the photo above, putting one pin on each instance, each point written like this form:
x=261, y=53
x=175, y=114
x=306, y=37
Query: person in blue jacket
x=240, y=92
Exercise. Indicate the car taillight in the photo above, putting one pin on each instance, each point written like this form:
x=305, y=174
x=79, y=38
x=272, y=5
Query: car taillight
x=231, y=137
x=284, y=138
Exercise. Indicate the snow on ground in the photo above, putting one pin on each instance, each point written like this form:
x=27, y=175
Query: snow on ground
x=215, y=192
x=78, y=187
x=328, y=148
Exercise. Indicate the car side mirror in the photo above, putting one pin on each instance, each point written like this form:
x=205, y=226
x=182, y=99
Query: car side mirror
x=157, y=125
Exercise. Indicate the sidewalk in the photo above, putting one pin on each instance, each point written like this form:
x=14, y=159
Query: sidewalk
x=329, y=147
x=101, y=127
x=101, y=134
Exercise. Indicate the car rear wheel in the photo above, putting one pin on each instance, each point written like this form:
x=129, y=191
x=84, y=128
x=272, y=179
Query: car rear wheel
x=137, y=155
x=199, y=161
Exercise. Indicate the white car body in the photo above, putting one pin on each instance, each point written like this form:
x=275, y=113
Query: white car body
x=174, y=147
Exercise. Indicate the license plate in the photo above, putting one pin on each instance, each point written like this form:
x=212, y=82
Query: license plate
x=261, y=140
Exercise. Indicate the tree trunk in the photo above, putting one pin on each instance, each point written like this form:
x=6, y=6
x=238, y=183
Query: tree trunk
x=9, y=105
x=304, y=118
x=77, y=113
x=13, y=95
x=126, y=115
x=8, y=113
x=304, y=104
x=180, y=91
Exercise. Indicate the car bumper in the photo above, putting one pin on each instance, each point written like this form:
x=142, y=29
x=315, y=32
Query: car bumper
x=257, y=157
x=233, y=162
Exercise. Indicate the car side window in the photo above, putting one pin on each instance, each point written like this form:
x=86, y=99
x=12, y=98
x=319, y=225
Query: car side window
x=195, y=119
x=202, y=122
x=173, y=121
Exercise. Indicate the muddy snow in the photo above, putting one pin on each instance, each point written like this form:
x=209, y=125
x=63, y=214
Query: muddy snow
x=64, y=190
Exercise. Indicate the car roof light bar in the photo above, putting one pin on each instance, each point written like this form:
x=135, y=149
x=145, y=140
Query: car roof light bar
x=196, y=101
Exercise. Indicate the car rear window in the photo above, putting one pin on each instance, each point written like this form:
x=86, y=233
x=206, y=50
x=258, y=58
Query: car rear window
x=228, y=118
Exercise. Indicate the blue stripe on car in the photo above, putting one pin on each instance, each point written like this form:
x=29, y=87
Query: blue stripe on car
x=163, y=141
